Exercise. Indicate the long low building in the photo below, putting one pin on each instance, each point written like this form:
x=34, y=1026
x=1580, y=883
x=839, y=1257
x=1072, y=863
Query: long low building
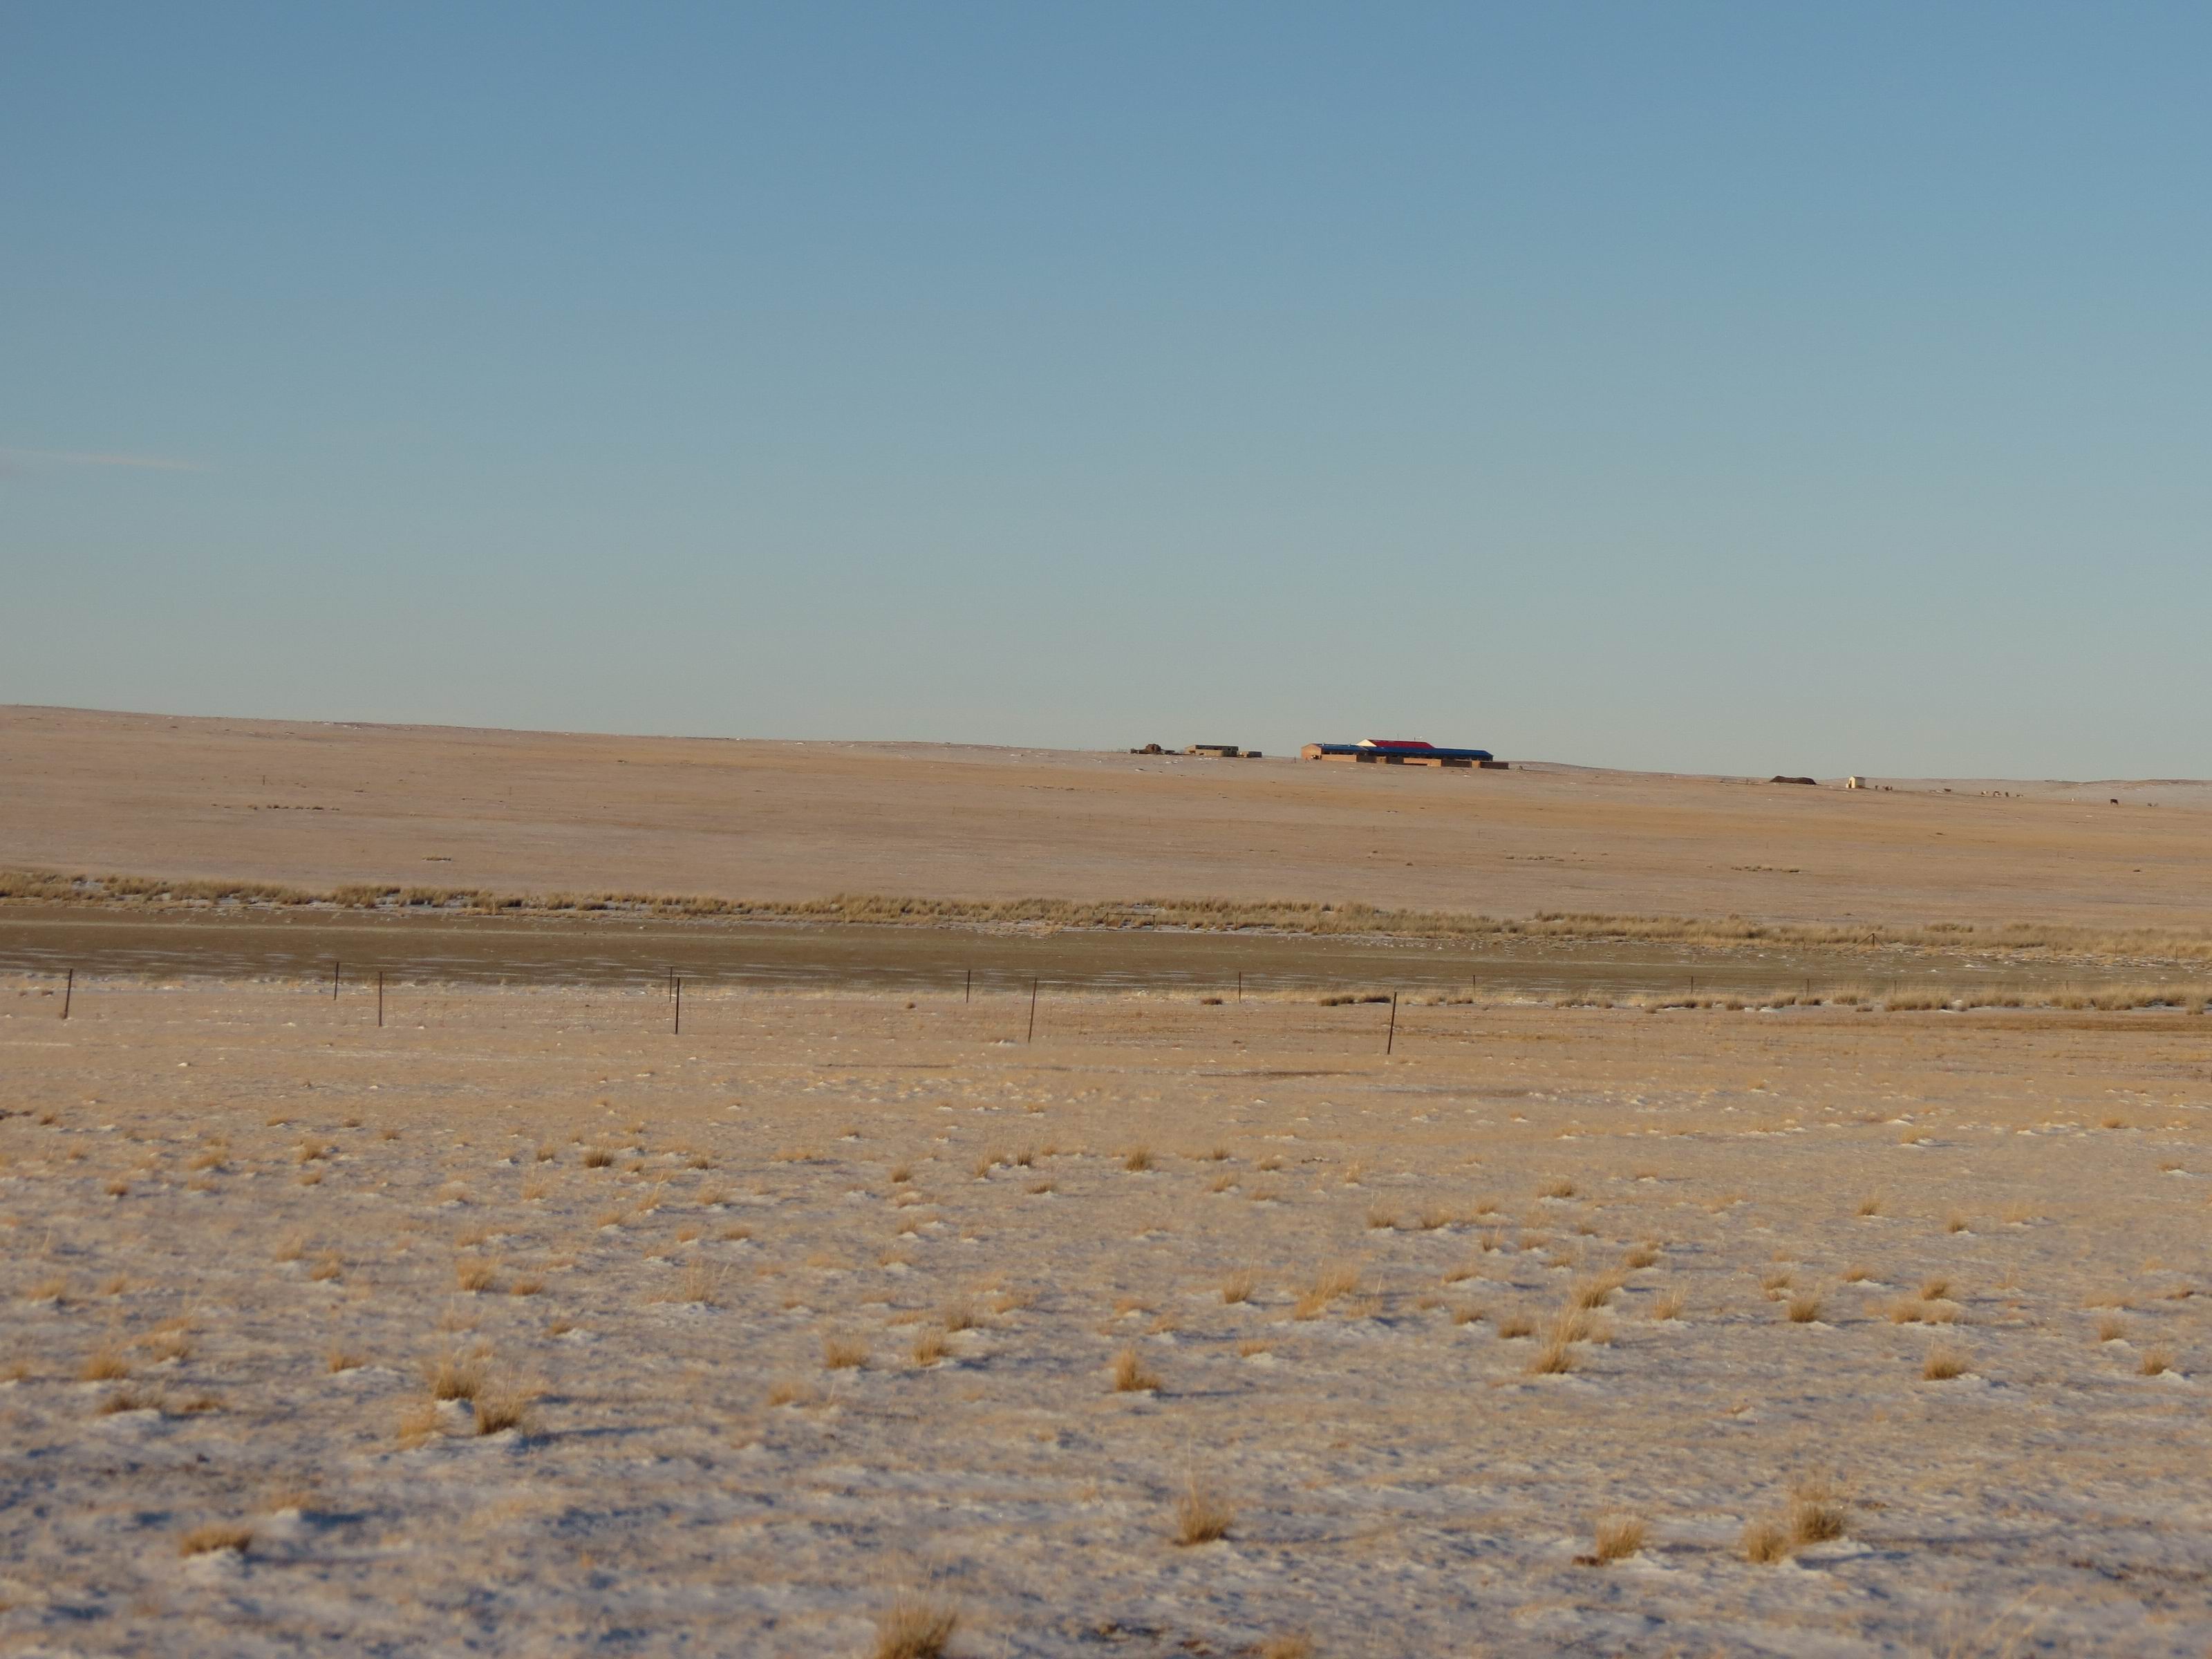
x=1400, y=751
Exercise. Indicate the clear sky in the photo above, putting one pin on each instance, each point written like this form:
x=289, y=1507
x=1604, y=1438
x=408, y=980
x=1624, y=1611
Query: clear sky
x=1733, y=387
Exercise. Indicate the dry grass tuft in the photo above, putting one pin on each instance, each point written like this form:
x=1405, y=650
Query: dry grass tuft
x=1640, y=1256
x=1514, y=1325
x=1592, y=1293
x=1557, y=1186
x=104, y=1365
x=1616, y=1538
x=1554, y=1358
x=930, y=1347
x=701, y=1287
x=1291, y=1644
x=1238, y=1286
x=1943, y=1364
x=1136, y=1159
x=472, y=1274
x=790, y=1391
x=2156, y=1362
x=1668, y=1304
x=1130, y=1375
x=915, y=1628
x=1804, y=1307
x=418, y=1423
x=455, y=1376
x=498, y=1409
x=215, y=1536
x=1573, y=1325
x=1871, y=1205
x=843, y=1353
x=1341, y=1281
x=2111, y=1327
x=1202, y=1515
x=1816, y=1518
x=1765, y=1542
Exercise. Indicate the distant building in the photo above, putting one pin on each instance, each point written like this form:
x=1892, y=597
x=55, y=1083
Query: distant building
x=1400, y=751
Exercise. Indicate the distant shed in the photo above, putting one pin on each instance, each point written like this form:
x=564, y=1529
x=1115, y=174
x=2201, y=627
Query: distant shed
x=1399, y=751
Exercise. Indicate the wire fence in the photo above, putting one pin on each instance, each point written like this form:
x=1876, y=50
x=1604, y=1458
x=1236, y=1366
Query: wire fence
x=376, y=988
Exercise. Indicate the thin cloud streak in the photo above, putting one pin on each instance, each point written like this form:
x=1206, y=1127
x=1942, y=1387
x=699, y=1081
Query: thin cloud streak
x=25, y=460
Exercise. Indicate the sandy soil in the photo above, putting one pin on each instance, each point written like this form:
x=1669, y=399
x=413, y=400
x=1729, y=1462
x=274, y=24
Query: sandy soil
x=259, y=1216
x=317, y=804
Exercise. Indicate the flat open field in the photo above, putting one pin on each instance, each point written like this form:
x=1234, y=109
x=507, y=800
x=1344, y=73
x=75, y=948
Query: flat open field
x=318, y=806
x=840, y=1297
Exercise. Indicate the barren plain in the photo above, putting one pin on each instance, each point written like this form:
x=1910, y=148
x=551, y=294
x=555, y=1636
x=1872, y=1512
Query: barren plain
x=874, y=1318
x=320, y=806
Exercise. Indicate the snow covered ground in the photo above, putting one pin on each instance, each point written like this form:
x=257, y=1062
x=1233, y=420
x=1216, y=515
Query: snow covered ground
x=246, y=1232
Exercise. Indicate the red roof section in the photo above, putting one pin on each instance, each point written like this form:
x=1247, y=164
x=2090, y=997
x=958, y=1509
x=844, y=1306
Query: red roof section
x=1394, y=743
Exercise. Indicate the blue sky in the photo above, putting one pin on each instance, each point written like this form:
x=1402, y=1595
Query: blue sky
x=1730, y=387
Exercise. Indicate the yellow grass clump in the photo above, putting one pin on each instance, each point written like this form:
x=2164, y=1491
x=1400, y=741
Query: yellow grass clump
x=1202, y=1515
x=915, y=1628
x=1616, y=1538
x=1943, y=1364
x=456, y=1376
x=215, y=1536
x=1764, y=1542
x=500, y=1409
x=1130, y=1376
